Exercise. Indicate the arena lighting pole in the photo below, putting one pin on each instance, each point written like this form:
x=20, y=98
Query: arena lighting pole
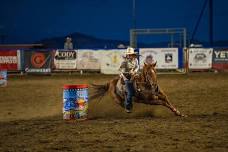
x=198, y=21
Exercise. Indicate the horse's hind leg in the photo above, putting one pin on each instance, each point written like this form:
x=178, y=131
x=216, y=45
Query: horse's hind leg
x=162, y=99
x=112, y=91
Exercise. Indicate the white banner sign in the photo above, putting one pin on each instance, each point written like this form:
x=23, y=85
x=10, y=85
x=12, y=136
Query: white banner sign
x=200, y=58
x=65, y=59
x=88, y=60
x=111, y=61
x=167, y=58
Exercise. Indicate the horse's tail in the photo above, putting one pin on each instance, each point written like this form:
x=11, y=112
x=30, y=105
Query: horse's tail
x=100, y=90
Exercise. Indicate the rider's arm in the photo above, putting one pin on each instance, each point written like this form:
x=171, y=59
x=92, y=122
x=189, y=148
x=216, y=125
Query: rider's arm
x=136, y=66
x=122, y=70
x=122, y=67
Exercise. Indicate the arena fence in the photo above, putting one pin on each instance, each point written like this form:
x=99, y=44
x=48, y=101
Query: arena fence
x=206, y=59
x=46, y=61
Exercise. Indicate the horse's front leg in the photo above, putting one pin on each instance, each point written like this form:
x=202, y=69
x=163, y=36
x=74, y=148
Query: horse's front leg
x=165, y=102
x=162, y=99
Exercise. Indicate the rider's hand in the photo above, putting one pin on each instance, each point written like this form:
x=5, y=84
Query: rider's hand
x=132, y=72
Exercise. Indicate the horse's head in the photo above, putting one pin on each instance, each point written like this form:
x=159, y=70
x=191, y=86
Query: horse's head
x=149, y=74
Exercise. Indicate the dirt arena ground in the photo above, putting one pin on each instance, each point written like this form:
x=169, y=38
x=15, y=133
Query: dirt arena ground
x=31, y=117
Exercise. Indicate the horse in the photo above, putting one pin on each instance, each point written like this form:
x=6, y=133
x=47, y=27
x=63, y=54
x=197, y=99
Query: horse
x=146, y=87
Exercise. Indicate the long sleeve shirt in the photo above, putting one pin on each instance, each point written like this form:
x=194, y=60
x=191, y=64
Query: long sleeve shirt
x=129, y=65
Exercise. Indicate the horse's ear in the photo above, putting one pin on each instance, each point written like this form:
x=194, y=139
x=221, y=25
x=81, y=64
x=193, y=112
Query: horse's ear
x=145, y=64
x=154, y=64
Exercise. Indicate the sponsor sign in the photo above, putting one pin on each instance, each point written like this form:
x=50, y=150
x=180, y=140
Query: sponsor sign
x=166, y=58
x=3, y=78
x=10, y=60
x=65, y=59
x=88, y=60
x=200, y=58
x=111, y=61
x=37, y=61
x=220, y=58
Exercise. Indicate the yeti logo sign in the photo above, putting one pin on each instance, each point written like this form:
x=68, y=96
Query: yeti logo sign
x=65, y=59
x=220, y=55
x=220, y=58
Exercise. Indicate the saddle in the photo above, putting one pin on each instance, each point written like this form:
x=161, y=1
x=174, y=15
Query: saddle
x=142, y=89
x=120, y=86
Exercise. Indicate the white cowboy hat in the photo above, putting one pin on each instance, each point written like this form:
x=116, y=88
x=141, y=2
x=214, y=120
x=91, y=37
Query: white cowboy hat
x=130, y=51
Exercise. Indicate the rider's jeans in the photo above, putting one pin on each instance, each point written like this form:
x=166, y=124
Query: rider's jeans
x=130, y=94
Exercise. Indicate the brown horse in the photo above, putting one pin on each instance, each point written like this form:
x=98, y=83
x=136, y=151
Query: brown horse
x=147, y=90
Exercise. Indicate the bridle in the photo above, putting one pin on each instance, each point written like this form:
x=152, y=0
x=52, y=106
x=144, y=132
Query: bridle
x=150, y=81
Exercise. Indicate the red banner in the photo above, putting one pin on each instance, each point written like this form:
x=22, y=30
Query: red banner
x=220, y=66
x=8, y=60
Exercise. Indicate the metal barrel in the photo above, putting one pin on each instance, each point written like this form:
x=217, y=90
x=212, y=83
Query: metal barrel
x=75, y=102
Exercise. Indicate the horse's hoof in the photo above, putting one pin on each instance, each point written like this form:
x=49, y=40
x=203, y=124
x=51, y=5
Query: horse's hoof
x=177, y=113
x=182, y=115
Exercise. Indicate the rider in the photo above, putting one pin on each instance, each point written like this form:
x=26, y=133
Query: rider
x=129, y=67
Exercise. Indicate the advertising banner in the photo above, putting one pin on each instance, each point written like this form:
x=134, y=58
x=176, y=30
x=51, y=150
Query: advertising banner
x=88, y=60
x=37, y=61
x=200, y=58
x=166, y=58
x=65, y=59
x=220, y=58
x=10, y=60
x=111, y=61
x=3, y=78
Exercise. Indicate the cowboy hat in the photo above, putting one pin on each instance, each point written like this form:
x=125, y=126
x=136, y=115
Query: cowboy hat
x=130, y=51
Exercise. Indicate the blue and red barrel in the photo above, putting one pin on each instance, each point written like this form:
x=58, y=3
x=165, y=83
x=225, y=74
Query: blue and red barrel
x=75, y=102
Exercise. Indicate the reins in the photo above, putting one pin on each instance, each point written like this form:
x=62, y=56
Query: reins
x=147, y=80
